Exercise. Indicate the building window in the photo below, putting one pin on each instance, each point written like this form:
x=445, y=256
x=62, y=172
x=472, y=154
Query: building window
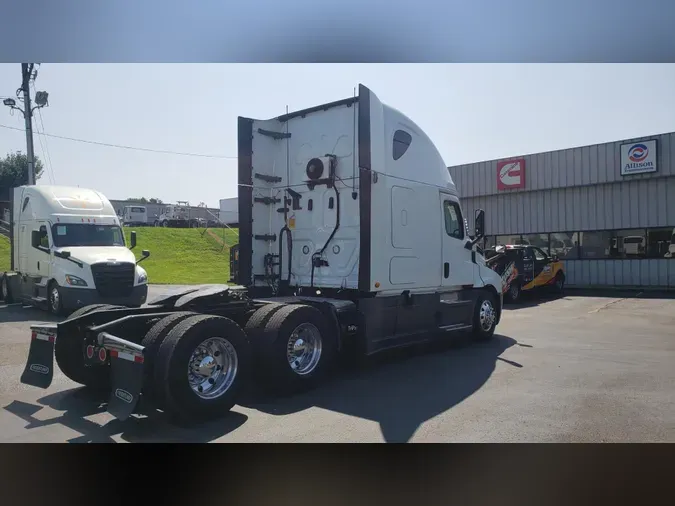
x=509, y=239
x=661, y=242
x=454, y=225
x=596, y=244
x=565, y=245
x=629, y=243
x=489, y=241
x=538, y=240
x=402, y=142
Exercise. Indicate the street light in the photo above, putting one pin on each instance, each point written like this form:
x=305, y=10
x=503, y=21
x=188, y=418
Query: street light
x=9, y=102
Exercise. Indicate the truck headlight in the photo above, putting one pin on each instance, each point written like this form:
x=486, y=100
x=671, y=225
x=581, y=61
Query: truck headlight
x=142, y=278
x=75, y=281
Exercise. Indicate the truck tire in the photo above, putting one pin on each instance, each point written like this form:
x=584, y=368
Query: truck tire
x=5, y=290
x=484, y=317
x=559, y=285
x=255, y=326
x=200, y=367
x=298, y=348
x=165, y=223
x=152, y=341
x=514, y=292
x=69, y=356
x=54, y=302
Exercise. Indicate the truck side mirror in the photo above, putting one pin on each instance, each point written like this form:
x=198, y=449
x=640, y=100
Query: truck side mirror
x=145, y=254
x=133, y=240
x=35, y=238
x=480, y=223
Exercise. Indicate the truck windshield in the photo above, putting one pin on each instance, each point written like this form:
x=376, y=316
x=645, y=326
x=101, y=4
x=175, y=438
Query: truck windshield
x=77, y=234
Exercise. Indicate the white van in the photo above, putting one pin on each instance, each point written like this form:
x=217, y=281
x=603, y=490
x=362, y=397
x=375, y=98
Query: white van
x=68, y=251
x=135, y=216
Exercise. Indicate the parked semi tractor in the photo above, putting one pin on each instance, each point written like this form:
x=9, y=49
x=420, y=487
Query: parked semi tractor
x=352, y=239
x=178, y=216
x=68, y=251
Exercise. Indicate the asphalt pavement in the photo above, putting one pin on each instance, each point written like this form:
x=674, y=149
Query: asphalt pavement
x=573, y=369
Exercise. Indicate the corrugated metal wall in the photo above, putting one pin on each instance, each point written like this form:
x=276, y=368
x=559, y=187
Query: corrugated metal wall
x=576, y=190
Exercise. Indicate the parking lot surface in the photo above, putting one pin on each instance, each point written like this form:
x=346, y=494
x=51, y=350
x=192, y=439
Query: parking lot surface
x=574, y=369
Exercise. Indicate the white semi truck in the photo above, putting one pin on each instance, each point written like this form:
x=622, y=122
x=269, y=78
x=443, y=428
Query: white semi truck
x=68, y=251
x=352, y=237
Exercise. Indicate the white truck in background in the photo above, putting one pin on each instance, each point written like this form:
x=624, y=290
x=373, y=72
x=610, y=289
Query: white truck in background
x=229, y=212
x=351, y=239
x=135, y=216
x=68, y=251
x=178, y=216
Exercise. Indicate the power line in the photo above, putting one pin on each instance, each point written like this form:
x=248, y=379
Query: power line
x=281, y=187
x=121, y=146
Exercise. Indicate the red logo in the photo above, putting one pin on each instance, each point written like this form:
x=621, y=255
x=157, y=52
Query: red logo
x=511, y=174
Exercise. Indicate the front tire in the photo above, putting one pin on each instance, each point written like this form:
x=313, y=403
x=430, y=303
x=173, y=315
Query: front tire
x=54, y=299
x=5, y=290
x=485, y=317
x=201, y=366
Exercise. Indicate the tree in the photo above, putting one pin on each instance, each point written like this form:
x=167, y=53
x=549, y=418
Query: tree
x=14, y=170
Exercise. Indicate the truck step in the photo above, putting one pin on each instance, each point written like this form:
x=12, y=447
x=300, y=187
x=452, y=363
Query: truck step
x=265, y=237
x=267, y=200
x=267, y=178
x=39, y=301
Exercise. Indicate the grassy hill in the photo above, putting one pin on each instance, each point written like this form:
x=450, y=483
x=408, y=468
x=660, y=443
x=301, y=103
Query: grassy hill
x=177, y=255
x=5, y=254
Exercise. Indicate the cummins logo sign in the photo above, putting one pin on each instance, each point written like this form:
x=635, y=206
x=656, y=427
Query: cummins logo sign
x=638, y=157
x=511, y=174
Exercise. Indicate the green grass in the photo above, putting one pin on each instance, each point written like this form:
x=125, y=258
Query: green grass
x=184, y=256
x=5, y=255
x=181, y=256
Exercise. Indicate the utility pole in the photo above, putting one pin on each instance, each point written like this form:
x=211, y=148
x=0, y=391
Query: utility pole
x=28, y=72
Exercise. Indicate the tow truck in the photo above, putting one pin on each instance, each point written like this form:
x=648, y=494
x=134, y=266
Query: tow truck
x=523, y=267
x=352, y=237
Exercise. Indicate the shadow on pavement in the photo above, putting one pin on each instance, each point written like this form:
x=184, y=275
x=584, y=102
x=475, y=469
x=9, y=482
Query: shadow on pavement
x=151, y=426
x=398, y=394
x=16, y=313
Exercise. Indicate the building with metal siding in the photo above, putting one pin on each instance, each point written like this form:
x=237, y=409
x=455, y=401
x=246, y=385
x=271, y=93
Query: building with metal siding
x=610, y=229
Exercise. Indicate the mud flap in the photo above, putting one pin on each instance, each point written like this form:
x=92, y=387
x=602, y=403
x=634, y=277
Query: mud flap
x=39, y=370
x=127, y=382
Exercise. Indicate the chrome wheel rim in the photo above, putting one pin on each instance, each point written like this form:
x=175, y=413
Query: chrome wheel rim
x=55, y=299
x=514, y=290
x=487, y=315
x=212, y=368
x=303, y=351
x=559, y=283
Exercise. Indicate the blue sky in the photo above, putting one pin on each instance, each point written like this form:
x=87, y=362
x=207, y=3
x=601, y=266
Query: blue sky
x=472, y=113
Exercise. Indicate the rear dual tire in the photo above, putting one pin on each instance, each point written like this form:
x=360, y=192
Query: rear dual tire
x=199, y=367
x=295, y=346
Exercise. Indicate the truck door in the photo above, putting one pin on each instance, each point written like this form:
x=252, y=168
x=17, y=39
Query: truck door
x=457, y=269
x=42, y=256
x=543, y=270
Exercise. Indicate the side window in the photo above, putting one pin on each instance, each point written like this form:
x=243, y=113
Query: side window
x=454, y=225
x=402, y=142
x=25, y=204
x=44, y=238
x=538, y=254
x=527, y=254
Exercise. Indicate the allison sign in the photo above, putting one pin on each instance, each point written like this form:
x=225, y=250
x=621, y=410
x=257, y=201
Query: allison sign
x=638, y=157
